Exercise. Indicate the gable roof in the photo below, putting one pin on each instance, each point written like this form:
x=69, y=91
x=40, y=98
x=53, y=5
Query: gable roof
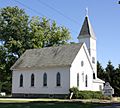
x=97, y=80
x=86, y=29
x=49, y=56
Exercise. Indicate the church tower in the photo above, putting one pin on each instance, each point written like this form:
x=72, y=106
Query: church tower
x=87, y=36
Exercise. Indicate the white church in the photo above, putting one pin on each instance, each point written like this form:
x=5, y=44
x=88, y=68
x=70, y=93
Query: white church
x=52, y=71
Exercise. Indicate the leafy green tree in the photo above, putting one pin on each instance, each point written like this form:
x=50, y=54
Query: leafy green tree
x=2, y=66
x=18, y=32
x=6, y=60
x=45, y=33
x=14, y=29
x=13, y=33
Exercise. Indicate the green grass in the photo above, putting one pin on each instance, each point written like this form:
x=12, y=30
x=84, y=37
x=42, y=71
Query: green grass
x=49, y=105
x=18, y=100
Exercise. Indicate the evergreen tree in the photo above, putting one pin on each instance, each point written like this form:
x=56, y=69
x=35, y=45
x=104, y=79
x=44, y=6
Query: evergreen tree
x=116, y=81
x=100, y=71
x=110, y=72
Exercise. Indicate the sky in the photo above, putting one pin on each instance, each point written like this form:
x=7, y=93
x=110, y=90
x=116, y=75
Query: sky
x=104, y=16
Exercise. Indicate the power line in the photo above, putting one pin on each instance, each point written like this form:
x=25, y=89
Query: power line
x=59, y=12
x=29, y=8
x=36, y=11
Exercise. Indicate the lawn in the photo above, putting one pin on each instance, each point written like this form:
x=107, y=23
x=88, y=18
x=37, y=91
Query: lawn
x=49, y=105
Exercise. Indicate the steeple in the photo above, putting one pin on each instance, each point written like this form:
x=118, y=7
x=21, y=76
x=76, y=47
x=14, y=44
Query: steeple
x=86, y=30
x=87, y=36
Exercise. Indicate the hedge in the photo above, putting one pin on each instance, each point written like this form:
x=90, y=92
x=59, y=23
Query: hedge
x=86, y=94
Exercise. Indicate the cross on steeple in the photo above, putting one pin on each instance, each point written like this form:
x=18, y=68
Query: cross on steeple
x=86, y=11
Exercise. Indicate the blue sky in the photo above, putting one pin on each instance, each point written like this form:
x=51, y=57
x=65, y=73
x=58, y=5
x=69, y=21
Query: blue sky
x=104, y=16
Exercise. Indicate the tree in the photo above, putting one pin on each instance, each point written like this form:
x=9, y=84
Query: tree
x=18, y=32
x=110, y=72
x=111, y=75
x=45, y=33
x=5, y=74
x=14, y=29
x=2, y=66
x=13, y=33
x=116, y=81
x=100, y=71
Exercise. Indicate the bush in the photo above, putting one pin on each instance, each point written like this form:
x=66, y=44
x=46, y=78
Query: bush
x=75, y=92
x=90, y=95
x=97, y=95
x=86, y=94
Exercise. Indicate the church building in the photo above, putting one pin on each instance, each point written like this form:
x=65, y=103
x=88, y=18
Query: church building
x=52, y=71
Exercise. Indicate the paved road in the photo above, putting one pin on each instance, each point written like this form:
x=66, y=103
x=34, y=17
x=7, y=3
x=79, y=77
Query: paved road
x=115, y=105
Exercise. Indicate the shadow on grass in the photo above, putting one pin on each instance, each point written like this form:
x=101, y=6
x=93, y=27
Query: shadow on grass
x=55, y=104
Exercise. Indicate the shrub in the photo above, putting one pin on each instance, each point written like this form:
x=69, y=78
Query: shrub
x=97, y=95
x=86, y=94
x=90, y=95
x=75, y=92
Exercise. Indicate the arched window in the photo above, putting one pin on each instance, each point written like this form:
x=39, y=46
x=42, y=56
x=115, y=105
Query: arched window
x=58, y=79
x=21, y=80
x=77, y=79
x=32, y=80
x=93, y=60
x=83, y=76
x=86, y=81
x=100, y=87
x=44, y=79
x=93, y=75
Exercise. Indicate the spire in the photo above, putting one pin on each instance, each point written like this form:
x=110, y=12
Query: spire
x=86, y=29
